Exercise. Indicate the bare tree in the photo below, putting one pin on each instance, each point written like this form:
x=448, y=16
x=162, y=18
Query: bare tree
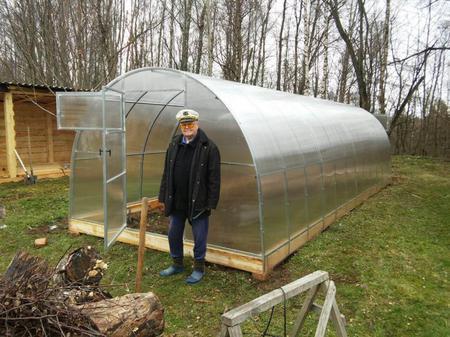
x=280, y=45
x=185, y=31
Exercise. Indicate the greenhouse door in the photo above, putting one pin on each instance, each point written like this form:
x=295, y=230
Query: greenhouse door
x=99, y=120
x=114, y=184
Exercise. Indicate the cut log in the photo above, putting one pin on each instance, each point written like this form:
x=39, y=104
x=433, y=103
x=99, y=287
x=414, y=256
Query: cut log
x=137, y=315
x=82, y=266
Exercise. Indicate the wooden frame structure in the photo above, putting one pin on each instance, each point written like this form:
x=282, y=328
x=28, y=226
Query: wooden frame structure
x=312, y=284
x=257, y=265
x=28, y=105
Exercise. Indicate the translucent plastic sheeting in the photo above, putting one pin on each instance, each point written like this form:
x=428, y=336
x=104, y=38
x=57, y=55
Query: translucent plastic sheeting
x=297, y=199
x=98, y=179
x=235, y=224
x=287, y=160
x=116, y=218
x=83, y=111
x=86, y=186
x=275, y=221
x=114, y=174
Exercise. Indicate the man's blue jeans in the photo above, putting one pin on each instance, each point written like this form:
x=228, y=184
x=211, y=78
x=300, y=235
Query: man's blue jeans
x=199, y=230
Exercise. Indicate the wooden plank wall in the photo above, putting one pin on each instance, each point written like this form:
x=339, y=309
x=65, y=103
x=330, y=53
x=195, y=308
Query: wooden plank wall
x=43, y=136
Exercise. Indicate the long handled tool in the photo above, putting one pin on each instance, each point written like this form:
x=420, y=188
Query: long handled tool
x=33, y=177
x=28, y=179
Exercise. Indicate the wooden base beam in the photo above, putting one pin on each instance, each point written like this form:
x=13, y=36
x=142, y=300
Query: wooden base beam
x=258, y=266
x=159, y=242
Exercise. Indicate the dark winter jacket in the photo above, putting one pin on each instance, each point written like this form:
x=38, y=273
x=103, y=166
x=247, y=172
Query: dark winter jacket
x=204, y=177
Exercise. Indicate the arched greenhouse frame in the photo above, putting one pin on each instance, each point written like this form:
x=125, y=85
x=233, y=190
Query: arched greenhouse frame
x=291, y=164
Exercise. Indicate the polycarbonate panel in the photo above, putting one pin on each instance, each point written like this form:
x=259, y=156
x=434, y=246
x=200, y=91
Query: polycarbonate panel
x=161, y=129
x=114, y=148
x=152, y=172
x=298, y=211
x=116, y=215
x=329, y=187
x=79, y=110
x=156, y=97
x=342, y=182
x=113, y=110
x=85, y=110
x=275, y=222
x=314, y=192
x=235, y=222
x=134, y=178
x=218, y=124
x=86, y=185
x=156, y=82
x=139, y=118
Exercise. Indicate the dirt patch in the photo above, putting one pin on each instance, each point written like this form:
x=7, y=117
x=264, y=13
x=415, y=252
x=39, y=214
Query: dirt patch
x=156, y=221
x=54, y=227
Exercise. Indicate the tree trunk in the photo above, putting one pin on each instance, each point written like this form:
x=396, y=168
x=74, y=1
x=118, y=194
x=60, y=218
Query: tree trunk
x=383, y=63
x=280, y=46
x=324, y=86
x=187, y=18
x=201, y=31
x=131, y=315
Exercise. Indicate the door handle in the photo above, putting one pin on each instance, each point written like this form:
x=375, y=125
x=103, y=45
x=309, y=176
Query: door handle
x=100, y=151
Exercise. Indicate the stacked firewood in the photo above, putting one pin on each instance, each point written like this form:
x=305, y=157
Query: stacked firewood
x=37, y=300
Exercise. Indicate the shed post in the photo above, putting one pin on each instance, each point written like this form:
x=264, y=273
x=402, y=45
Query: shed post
x=51, y=157
x=10, y=135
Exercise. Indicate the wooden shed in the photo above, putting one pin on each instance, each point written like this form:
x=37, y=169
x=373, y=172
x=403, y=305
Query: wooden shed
x=29, y=106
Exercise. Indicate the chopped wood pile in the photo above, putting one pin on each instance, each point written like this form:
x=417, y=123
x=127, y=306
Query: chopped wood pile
x=37, y=300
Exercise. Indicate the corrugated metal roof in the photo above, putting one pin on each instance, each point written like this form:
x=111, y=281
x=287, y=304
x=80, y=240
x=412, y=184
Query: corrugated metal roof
x=5, y=84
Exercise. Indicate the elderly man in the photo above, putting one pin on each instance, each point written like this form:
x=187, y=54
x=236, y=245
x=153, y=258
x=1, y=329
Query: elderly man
x=190, y=188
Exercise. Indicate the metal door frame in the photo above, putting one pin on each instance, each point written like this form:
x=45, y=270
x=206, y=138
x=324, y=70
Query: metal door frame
x=123, y=174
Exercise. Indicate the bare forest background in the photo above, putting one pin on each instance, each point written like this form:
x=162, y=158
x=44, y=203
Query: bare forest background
x=390, y=57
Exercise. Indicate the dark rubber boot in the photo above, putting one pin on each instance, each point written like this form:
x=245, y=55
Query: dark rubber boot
x=198, y=273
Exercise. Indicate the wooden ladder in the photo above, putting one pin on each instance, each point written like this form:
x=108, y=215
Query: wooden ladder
x=312, y=283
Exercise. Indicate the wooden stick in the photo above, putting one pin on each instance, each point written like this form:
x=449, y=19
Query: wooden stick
x=141, y=249
x=326, y=310
x=306, y=307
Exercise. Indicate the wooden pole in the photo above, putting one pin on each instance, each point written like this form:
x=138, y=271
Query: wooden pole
x=10, y=134
x=141, y=249
x=51, y=156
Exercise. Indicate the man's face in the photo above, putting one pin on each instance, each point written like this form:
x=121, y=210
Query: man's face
x=189, y=129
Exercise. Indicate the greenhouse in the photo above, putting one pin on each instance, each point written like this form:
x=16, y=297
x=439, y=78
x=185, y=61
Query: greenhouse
x=291, y=164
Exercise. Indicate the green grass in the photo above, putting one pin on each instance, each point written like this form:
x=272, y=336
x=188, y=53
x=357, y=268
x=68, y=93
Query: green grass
x=389, y=258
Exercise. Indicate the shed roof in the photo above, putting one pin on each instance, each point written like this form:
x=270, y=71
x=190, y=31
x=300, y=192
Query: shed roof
x=6, y=85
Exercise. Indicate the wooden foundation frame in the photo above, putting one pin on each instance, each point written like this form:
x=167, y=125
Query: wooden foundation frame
x=259, y=266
